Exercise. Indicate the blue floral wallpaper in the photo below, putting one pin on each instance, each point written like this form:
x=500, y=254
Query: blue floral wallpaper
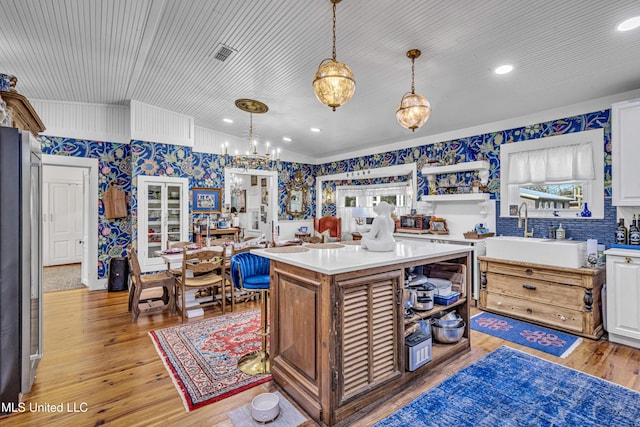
x=114, y=161
x=124, y=163
x=486, y=146
x=149, y=158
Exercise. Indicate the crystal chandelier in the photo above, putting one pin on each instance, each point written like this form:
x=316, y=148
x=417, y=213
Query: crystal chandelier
x=414, y=110
x=236, y=185
x=334, y=84
x=251, y=159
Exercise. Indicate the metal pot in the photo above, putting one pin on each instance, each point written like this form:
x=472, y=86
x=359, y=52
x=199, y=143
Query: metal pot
x=427, y=290
x=418, y=302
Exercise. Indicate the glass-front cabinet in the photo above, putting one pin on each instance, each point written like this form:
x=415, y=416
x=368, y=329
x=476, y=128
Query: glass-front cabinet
x=163, y=210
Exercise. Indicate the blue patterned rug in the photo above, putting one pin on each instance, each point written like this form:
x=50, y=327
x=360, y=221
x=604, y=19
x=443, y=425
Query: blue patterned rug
x=511, y=388
x=533, y=336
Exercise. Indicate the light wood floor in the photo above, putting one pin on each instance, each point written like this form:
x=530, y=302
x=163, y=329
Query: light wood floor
x=94, y=355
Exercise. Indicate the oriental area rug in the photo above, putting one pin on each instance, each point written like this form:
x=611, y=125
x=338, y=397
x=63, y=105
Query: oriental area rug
x=511, y=388
x=532, y=336
x=202, y=357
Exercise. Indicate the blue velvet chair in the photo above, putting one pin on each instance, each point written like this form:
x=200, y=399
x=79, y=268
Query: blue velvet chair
x=250, y=273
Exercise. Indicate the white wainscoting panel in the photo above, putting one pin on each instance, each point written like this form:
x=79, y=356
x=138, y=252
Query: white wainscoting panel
x=211, y=141
x=96, y=122
x=149, y=123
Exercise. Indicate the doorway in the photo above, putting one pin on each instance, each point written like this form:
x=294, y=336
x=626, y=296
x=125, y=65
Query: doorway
x=74, y=241
x=63, y=216
x=261, y=200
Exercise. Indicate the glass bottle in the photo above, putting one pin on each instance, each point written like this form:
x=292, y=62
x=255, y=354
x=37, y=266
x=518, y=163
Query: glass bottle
x=634, y=232
x=621, y=235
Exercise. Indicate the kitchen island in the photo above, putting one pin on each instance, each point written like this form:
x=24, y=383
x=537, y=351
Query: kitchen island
x=337, y=323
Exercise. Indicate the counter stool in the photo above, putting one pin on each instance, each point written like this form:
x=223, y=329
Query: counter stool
x=250, y=273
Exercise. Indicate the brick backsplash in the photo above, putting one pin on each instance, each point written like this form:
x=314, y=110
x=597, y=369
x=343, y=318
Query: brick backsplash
x=577, y=229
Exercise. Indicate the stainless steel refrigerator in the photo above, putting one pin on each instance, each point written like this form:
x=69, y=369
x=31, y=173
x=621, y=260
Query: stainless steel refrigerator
x=20, y=264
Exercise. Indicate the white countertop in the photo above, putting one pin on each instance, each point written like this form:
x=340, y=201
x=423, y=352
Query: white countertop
x=354, y=257
x=444, y=237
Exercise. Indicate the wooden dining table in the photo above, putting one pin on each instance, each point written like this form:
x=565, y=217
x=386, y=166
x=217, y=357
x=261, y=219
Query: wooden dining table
x=176, y=257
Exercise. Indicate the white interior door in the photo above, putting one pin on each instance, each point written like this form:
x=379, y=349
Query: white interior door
x=66, y=231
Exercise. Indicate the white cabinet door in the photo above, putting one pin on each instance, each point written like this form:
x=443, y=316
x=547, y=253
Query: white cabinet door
x=163, y=216
x=623, y=296
x=625, y=153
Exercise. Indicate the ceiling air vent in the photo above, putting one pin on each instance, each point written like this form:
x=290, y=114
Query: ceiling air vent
x=223, y=52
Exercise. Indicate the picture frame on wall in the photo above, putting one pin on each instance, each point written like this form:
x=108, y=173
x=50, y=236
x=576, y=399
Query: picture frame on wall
x=254, y=180
x=263, y=182
x=207, y=200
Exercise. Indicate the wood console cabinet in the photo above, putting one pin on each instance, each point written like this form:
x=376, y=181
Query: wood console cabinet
x=337, y=340
x=568, y=299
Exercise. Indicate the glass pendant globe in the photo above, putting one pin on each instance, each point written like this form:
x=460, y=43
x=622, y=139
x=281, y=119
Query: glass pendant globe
x=414, y=110
x=334, y=84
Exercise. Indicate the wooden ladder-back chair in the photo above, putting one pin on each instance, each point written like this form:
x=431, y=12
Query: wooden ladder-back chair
x=202, y=269
x=140, y=282
x=176, y=271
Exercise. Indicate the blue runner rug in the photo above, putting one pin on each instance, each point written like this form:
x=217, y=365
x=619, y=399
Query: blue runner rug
x=533, y=336
x=511, y=388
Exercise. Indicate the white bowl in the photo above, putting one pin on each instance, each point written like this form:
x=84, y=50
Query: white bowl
x=265, y=407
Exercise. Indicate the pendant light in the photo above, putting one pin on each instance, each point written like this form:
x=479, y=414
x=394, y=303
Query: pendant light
x=414, y=109
x=252, y=159
x=334, y=84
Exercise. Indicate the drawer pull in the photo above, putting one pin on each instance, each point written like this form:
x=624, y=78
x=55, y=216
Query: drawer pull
x=529, y=311
x=528, y=272
x=627, y=260
x=563, y=318
x=527, y=286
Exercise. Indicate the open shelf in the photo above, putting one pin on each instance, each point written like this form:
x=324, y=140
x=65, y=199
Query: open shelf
x=442, y=352
x=420, y=315
x=479, y=197
x=459, y=167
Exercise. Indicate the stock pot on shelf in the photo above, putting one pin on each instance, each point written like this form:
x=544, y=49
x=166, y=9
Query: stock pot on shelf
x=421, y=296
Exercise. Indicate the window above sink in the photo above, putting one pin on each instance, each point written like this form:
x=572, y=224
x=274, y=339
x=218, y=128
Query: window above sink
x=554, y=176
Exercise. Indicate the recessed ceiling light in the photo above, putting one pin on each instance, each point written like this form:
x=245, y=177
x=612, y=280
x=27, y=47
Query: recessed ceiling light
x=286, y=139
x=227, y=120
x=503, y=69
x=315, y=129
x=629, y=24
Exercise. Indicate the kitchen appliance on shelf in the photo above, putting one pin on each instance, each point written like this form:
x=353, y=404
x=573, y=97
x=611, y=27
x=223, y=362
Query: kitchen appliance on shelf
x=20, y=264
x=414, y=223
x=418, y=346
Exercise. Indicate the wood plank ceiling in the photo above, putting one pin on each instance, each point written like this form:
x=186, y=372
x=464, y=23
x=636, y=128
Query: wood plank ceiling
x=162, y=52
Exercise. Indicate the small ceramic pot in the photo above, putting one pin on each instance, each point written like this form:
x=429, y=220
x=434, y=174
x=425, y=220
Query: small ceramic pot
x=265, y=407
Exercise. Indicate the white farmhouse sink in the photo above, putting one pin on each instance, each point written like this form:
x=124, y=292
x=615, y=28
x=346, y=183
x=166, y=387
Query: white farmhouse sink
x=560, y=253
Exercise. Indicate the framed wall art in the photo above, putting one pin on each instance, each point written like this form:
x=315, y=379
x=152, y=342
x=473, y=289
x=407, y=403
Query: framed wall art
x=207, y=200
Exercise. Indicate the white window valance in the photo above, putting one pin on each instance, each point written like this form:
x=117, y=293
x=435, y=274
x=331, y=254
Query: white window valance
x=552, y=165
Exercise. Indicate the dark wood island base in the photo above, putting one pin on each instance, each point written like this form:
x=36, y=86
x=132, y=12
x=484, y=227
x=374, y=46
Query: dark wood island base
x=337, y=337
